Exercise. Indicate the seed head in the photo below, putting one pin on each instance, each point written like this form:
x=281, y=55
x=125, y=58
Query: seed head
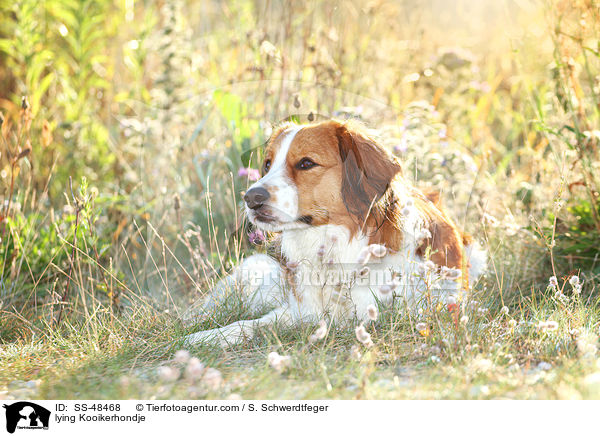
x=319, y=333
x=277, y=362
x=212, y=378
x=450, y=273
x=423, y=234
x=372, y=312
x=194, y=369
x=292, y=265
x=377, y=250
x=385, y=289
x=364, y=256
x=363, y=336
x=182, y=356
x=168, y=374
x=364, y=271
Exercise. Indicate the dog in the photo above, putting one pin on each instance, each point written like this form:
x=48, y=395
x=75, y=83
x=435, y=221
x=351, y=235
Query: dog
x=351, y=232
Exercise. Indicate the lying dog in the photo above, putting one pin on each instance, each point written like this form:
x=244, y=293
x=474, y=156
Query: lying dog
x=352, y=231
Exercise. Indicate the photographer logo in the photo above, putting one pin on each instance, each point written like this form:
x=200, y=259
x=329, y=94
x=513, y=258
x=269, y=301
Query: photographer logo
x=26, y=415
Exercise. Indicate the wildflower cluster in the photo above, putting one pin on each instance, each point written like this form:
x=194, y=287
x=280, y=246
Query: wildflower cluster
x=189, y=370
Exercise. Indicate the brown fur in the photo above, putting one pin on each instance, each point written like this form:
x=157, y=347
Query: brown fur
x=354, y=184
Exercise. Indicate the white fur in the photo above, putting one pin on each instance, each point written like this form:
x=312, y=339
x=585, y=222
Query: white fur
x=327, y=266
x=285, y=208
x=327, y=282
x=477, y=258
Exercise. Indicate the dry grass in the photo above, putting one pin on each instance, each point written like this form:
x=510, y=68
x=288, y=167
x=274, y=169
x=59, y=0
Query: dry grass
x=495, y=104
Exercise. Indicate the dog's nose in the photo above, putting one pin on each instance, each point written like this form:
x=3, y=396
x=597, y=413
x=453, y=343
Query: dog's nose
x=256, y=197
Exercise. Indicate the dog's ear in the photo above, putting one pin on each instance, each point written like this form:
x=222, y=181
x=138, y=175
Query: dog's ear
x=367, y=170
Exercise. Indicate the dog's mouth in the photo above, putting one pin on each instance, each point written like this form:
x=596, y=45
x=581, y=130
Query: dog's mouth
x=273, y=220
x=264, y=216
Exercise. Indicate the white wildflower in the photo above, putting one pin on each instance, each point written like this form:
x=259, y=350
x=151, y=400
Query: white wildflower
x=504, y=310
x=364, y=271
x=212, y=378
x=435, y=359
x=512, y=323
x=553, y=282
x=182, y=356
x=364, y=256
x=450, y=273
x=194, y=369
x=168, y=374
x=423, y=234
x=490, y=220
x=278, y=362
x=425, y=267
x=269, y=49
x=451, y=299
x=574, y=281
x=386, y=289
x=319, y=333
x=372, y=312
x=377, y=250
x=363, y=336
x=292, y=265
x=576, y=284
x=464, y=319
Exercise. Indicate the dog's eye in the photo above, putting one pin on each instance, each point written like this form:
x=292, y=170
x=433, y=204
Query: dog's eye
x=267, y=166
x=305, y=164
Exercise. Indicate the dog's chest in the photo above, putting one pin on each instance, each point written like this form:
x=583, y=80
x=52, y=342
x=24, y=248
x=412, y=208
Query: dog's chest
x=326, y=272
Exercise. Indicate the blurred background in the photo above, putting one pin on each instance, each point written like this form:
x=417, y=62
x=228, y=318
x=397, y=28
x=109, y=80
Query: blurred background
x=129, y=129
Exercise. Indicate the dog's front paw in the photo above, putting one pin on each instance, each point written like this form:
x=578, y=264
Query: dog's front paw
x=209, y=337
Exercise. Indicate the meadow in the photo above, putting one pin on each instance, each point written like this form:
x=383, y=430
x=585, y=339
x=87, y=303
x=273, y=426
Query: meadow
x=130, y=128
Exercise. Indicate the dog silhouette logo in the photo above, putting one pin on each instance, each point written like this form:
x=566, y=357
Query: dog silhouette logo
x=26, y=415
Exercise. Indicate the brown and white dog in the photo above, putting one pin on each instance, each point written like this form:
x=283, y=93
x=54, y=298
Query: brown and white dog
x=352, y=232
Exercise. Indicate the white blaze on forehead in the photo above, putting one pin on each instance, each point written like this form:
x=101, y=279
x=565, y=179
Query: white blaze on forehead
x=278, y=163
x=285, y=206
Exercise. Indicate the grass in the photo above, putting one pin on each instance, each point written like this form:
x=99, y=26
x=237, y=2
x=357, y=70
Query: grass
x=119, y=169
x=486, y=358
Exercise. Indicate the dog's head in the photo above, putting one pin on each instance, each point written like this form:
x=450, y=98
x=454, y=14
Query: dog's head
x=326, y=173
